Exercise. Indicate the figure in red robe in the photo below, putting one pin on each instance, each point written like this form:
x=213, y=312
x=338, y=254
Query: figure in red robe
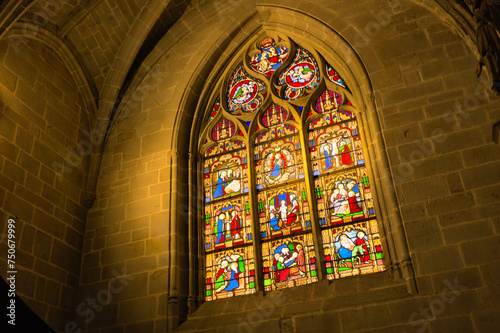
x=301, y=260
x=273, y=56
x=282, y=271
x=235, y=225
x=365, y=257
x=221, y=277
x=345, y=154
x=294, y=213
x=353, y=203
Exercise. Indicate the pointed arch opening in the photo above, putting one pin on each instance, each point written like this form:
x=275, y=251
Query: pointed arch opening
x=286, y=180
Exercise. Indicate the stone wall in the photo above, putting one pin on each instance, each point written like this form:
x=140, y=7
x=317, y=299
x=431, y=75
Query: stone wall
x=42, y=117
x=435, y=117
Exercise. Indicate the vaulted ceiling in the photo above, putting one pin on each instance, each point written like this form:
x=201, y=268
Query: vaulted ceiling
x=109, y=39
x=104, y=35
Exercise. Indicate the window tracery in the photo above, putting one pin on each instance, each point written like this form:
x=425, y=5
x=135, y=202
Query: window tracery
x=284, y=162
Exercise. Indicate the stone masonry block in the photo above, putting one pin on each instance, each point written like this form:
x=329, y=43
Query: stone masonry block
x=35, y=199
x=137, y=286
x=118, y=239
x=141, y=264
x=482, y=175
x=159, y=224
x=439, y=259
x=158, y=281
x=467, y=231
x=18, y=207
x=481, y=155
x=450, y=203
x=137, y=310
x=14, y=172
x=156, y=142
x=45, y=155
x=135, y=224
x=425, y=189
x=65, y=257
x=144, y=180
x=468, y=277
x=43, y=245
x=143, y=207
x=366, y=317
x=324, y=322
x=28, y=163
x=8, y=150
x=122, y=252
x=481, y=251
x=157, y=245
x=425, y=234
x=455, y=324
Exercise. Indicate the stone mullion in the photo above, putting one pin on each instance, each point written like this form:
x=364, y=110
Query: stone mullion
x=254, y=205
x=313, y=207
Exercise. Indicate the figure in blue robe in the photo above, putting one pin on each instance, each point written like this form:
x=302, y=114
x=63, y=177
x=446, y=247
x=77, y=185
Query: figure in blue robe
x=328, y=158
x=346, y=247
x=234, y=279
x=220, y=228
x=274, y=222
x=345, y=253
x=221, y=182
x=353, y=187
x=277, y=167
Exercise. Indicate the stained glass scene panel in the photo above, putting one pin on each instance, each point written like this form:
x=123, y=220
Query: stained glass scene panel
x=271, y=56
x=278, y=161
x=300, y=76
x=226, y=175
x=344, y=197
x=335, y=147
x=230, y=273
x=289, y=262
x=284, y=211
x=243, y=92
x=227, y=224
x=353, y=250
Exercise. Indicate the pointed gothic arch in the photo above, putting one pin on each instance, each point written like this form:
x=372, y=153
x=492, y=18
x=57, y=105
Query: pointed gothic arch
x=272, y=201
x=195, y=102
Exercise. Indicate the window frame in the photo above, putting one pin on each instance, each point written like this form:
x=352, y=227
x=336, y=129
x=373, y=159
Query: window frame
x=219, y=91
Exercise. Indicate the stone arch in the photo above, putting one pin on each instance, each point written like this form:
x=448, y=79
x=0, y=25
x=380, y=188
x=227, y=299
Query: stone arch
x=25, y=31
x=110, y=97
x=51, y=103
x=80, y=74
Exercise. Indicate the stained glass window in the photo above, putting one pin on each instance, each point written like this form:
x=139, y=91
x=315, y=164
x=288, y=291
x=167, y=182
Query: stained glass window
x=285, y=174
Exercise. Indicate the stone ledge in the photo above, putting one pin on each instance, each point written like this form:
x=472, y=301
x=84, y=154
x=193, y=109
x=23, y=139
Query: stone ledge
x=322, y=296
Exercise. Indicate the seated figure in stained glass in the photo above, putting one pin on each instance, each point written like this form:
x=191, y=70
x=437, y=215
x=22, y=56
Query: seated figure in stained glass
x=289, y=262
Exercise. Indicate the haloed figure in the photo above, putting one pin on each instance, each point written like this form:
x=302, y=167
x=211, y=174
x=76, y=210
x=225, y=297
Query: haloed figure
x=235, y=225
x=234, y=279
x=220, y=228
x=221, y=184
